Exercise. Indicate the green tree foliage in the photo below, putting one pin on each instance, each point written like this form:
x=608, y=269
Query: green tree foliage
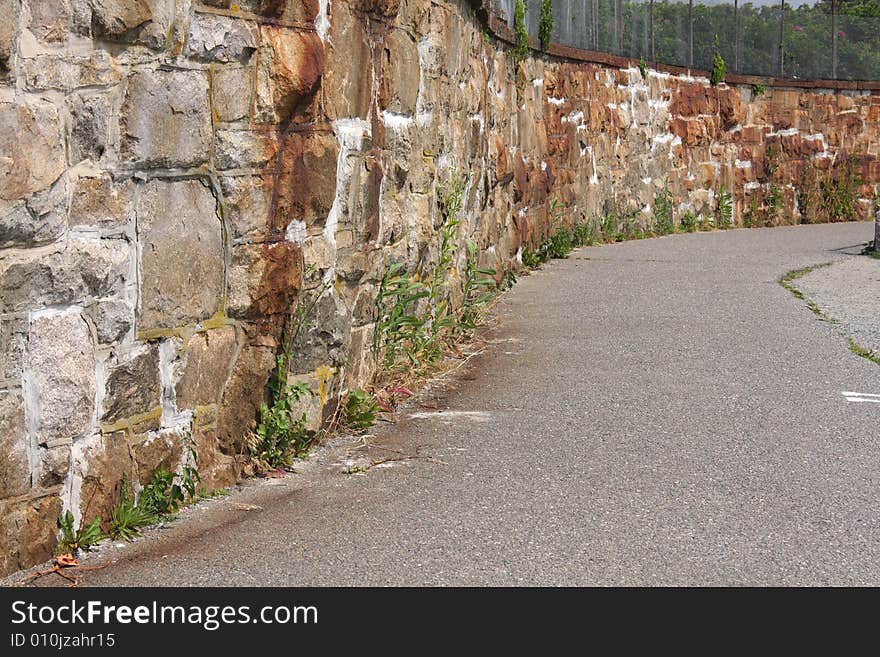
x=545, y=27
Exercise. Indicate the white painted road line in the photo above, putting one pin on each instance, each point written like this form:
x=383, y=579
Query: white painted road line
x=861, y=397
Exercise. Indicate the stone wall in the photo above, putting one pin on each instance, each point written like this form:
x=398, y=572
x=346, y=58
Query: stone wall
x=176, y=176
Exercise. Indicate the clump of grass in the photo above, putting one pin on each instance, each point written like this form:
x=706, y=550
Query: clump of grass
x=864, y=352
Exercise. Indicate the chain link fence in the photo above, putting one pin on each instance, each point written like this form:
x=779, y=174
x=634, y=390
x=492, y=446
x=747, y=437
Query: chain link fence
x=805, y=39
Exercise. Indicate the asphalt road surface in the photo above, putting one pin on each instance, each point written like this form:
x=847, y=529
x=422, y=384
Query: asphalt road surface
x=658, y=412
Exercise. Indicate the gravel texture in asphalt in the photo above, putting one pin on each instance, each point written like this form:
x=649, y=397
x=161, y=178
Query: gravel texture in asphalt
x=657, y=412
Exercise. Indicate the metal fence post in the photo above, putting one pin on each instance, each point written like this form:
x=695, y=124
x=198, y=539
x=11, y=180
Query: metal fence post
x=833, y=39
x=781, y=38
x=690, y=33
x=736, y=37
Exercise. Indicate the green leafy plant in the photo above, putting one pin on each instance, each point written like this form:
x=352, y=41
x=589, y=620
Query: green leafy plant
x=840, y=192
x=719, y=68
x=545, y=24
x=508, y=279
x=281, y=433
x=72, y=540
x=663, y=219
x=477, y=282
x=127, y=518
x=724, y=209
x=688, y=222
x=521, y=49
x=643, y=68
x=161, y=496
x=758, y=89
x=360, y=409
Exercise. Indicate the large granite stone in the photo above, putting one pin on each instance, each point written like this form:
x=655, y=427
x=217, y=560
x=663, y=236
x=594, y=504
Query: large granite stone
x=15, y=475
x=264, y=279
x=289, y=69
x=77, y=273
x=220, y=38
x=27, y=532
x=182, y=254
x=61, y=381
x=207, y=362
x=100, y=202
x=164, y=121
x=132, y=384
x=231, y=92
x=31, y=147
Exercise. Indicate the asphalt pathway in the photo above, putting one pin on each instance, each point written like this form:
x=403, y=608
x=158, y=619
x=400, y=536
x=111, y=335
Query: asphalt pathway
x=658, y=412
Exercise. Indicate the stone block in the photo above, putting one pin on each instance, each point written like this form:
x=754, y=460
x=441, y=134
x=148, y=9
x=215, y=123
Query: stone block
x=15, y=475
x=81, y=271
x=66, y=72
x=31, y=148
x=13, y=337
x=165, y=121
x=231, y=92
x=27, y=532
x=242, y=396
x=220, y=38
x=243, y=149
x=117, y=18
x=48, y=20
x=112, y=319
x=101, y=202
x=290, y=66
x=54, y=464
x=264, y=279
x=324, y=338
x=216, y=469
x=248, y=200
x=132, y=384
x=102, y=462
x=163, y=449
x=302, y=11
x=23, y=225
x=348, y=81
x=142, y=22
x=401, y=74
x=89, y=127
x=7, y=38
x=61, y=383
x=182, y=254
x=305, y=179
x=207, y=362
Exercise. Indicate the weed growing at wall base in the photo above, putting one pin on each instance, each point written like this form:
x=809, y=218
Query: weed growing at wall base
x=72, y=540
